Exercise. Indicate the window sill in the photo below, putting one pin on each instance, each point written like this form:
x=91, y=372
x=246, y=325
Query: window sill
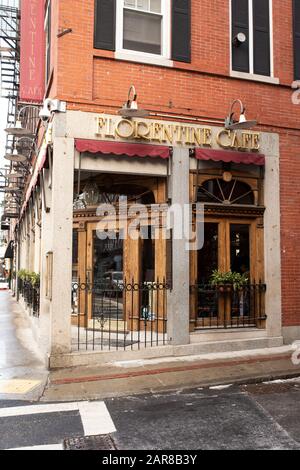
x=254, y=77
x=144, y=59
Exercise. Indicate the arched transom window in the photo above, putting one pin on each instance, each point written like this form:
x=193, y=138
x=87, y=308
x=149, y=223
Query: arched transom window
x=219, y=191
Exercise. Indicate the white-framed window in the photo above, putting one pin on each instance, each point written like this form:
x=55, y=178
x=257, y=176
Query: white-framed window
x=143, y=30
x=251, y=29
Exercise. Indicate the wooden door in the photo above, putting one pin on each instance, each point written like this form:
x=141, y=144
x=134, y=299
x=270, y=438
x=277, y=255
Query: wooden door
x=79, y=275
x=234, y=244
x=143, y=264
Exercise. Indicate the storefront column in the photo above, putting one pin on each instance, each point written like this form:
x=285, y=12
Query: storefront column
x=46, y=249
x=62, y=229
x=272, y=235
x=178, y=298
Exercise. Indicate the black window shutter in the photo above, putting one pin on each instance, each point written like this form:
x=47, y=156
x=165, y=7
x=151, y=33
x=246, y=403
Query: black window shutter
x=105, y=24
x=240, y=24
x=261, y=37
x=296, y=14
x=181, y=30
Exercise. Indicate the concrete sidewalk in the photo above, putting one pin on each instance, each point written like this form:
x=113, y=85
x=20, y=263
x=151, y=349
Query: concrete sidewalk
x=23, y=375
x=22, y=372
x=165, y=374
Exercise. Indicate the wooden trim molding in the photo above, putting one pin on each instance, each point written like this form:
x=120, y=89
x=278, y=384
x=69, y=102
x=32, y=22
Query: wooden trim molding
x=237, y=211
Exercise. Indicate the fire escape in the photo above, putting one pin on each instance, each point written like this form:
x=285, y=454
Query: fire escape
x=10, y=72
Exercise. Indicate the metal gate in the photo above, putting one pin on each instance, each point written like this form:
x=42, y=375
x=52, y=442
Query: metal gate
x=119, y=315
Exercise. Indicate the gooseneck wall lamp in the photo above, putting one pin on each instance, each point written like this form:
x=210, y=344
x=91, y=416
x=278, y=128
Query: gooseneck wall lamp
x=242, y=123
x=130, y=109
x=15, y=174
x=17, y=156
x=18, y=129
x=50, y=106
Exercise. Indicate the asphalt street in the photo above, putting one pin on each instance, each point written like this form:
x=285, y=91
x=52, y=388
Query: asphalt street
x=263, y=416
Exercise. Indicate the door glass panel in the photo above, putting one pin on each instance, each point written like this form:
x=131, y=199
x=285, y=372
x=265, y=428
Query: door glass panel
x=240, y=262
x=75, y=272
x=208, y=259
x=240, y=248
x=75, y=256
x=148, y=258
x=107, y=301
x=108, y=260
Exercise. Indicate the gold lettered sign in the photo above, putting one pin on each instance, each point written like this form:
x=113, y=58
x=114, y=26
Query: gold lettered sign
x=174, y=134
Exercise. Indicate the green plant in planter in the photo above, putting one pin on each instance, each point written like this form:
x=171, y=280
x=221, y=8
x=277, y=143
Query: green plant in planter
x=22, y=274
x=228, y=280
x=34, y=279
x=27, y=276
x=240, y=280
x=30, y=277
x=218, y=278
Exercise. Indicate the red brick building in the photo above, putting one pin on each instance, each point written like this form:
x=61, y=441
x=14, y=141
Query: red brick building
x=188, y=61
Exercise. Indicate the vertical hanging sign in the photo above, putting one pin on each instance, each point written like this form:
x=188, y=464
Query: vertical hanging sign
x=32, y=48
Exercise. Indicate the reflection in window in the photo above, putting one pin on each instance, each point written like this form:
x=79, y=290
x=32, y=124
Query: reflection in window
x=108, y=260
x=143, y=26
x=75, y=256
x=240, y=248
x=208, y=256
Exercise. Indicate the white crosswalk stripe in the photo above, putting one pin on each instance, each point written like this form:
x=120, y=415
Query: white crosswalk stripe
x=95, y=417
x=49, y=447
x=37, y=409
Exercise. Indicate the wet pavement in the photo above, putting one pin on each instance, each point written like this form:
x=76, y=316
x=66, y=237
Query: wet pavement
x=252, y=417
x=185, y=417
x=22, y=372
x=234, y=418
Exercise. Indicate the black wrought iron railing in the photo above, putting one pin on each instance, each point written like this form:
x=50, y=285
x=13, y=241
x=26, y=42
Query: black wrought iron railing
x=228, y=307
x=119, y=315
x=36, y=301
x=31, y=296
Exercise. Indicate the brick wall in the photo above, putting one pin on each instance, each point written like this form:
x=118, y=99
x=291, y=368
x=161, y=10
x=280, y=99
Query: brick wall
x=290, y=226
x=92, y=80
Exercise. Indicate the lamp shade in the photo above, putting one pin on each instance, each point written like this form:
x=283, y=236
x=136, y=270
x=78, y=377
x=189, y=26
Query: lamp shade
x=15, y=157
x=242, y=124
x=14, y=175
x=12, y=190
x=130, y=109
x=18, y=130
x=129, y=112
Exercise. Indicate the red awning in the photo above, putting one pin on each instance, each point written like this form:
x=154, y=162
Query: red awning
x=39, y=165
x=122, y=148
x=246, y=158
x=38, y=168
